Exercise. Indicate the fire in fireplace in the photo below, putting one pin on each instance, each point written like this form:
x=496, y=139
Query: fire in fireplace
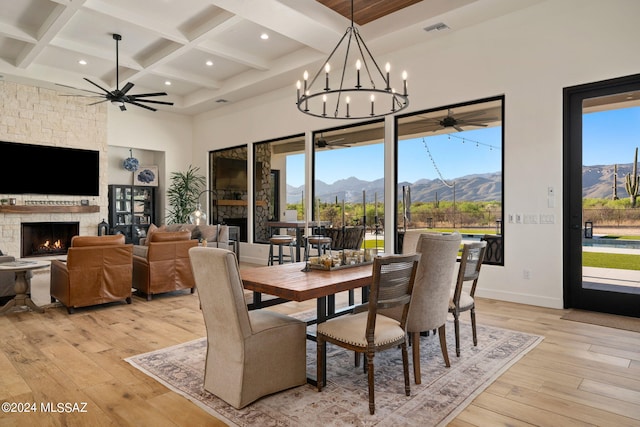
x=47, y=238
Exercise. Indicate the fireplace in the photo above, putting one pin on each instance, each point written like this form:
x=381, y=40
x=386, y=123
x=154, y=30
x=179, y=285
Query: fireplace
x=47, y=238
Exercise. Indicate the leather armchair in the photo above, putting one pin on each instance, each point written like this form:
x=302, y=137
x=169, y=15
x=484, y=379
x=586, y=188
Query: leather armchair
x=166, y=266
x=98, y=270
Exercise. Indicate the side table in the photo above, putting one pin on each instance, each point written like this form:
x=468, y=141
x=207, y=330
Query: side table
x=20, y=267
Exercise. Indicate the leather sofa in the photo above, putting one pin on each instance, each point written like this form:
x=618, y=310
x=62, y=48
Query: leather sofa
x=98, y=270
x=215, y=235
x=164, y=265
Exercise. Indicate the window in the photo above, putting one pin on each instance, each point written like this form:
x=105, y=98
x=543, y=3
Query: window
x=449, y=169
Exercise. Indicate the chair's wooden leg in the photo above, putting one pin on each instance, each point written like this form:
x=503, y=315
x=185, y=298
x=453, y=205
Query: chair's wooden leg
x=443, y=345
x=321, y=344
x=356, y=359
x=456, y=323
x=372, y=404
x=415, y=344
x=405, y=367
x=473, y=326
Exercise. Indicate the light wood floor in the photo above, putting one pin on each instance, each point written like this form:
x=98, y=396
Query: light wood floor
x=579, y=375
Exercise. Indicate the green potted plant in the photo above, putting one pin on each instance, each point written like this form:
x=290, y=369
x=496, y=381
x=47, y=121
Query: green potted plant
x=183, y=194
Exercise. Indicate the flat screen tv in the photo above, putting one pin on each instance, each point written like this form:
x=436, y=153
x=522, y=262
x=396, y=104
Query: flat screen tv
x=43, y=169
x=231, y=174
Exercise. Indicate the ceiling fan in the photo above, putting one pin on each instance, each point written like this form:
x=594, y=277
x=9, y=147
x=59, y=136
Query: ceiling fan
x=323, y=143
x=120, y=97
x=466, y=119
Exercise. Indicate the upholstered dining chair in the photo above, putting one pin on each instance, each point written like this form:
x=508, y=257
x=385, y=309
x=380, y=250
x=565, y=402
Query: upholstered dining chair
x=431, y=292
x=461, y=300
x=368, y=331
x=250, y=354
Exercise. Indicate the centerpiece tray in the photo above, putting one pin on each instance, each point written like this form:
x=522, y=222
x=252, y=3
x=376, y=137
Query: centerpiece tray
x=314, y=266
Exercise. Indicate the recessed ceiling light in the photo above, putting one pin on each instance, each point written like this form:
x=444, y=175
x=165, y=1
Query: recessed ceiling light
x=209, y=63
x=264, y=36
x=168, y=83
x=82, y=62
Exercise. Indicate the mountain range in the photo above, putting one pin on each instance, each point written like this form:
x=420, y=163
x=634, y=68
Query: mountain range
x=478, y=187
x=597, y=182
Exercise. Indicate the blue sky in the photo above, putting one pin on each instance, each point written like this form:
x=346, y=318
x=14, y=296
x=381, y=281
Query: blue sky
x=609, y=137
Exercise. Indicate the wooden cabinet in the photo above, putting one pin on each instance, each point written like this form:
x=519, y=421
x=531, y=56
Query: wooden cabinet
x=131, y=210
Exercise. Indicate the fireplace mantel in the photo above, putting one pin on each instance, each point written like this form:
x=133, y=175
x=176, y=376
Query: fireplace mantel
x=25, y=209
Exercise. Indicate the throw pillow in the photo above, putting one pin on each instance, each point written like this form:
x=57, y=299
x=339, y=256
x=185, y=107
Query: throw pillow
x=153, y=229
x=208, y=232
x=174, y=227
x=224, y=234
x=192, y=228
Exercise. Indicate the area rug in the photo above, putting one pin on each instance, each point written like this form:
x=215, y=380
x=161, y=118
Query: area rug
x=443, y=394
x=604, y=319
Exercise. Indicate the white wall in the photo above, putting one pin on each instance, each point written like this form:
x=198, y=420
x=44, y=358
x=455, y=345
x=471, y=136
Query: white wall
x=528, y=56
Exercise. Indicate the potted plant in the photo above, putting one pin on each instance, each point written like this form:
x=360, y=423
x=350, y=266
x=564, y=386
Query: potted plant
x=183, y=194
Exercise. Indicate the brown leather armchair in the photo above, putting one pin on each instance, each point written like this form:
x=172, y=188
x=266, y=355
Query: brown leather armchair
x=98, y=270
x=166, y=266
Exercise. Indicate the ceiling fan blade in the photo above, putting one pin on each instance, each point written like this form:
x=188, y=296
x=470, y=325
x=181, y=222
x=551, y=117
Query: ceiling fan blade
x=458, y=128
x=139, y=105
x=98, y=102
x=77, y=88
x=97, y=85
x=474, y=124
x=127, y=88
x=151, y=101
x=144, y=95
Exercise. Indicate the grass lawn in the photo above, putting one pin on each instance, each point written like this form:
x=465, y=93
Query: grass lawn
x=606, y=260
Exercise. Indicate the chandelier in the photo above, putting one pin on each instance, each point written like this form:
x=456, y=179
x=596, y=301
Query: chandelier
x=371, y=94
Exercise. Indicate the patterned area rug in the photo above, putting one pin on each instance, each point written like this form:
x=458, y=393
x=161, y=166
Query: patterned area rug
x=443, y=394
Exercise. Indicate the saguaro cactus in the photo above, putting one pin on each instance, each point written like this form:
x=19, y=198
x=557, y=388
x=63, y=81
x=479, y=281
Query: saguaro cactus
x=615, y=182
x=632, y=181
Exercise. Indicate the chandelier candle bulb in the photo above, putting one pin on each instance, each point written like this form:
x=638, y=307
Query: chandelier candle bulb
x=372, y=105
x=404, y=79
x=348, y=99
x=327, y=68
x=358, y=65
x=388, y=68
x=324, y=105
x=298, y=85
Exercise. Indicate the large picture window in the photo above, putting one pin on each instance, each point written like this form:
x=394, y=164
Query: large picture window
x=449, y=171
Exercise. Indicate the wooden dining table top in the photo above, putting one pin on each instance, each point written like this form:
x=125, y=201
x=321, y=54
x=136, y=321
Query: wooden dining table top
x=288, y=281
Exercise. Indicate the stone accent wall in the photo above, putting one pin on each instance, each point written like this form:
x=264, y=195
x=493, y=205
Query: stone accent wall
x=34, y=115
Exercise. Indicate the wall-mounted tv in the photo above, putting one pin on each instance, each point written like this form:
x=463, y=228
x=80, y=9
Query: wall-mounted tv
x=43, y=169
x=231, y=174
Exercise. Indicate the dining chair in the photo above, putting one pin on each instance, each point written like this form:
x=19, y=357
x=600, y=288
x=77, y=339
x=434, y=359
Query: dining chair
x=366, y=331
x=250, y=354
x=469, y=271
x=429, y=306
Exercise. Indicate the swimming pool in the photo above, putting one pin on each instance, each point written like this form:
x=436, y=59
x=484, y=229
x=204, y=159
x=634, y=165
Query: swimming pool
x=611, y=243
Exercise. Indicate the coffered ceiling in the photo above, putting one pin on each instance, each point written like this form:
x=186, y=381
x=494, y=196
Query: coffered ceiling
x=42, y=41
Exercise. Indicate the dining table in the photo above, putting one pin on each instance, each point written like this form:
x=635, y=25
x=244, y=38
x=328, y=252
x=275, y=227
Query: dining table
x=298, y=282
